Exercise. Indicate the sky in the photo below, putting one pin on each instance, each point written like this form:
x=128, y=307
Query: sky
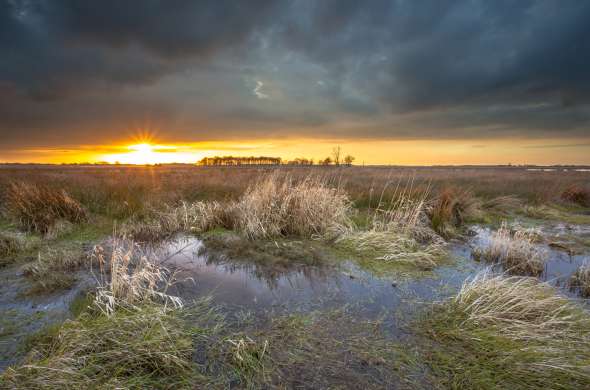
x=413, y=82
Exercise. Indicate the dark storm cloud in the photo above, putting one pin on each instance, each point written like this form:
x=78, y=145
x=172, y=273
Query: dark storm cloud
x=410, y=69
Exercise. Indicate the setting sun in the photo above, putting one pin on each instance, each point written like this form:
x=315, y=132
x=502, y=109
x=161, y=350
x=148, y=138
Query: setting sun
x=142, y=154
x=146, y=153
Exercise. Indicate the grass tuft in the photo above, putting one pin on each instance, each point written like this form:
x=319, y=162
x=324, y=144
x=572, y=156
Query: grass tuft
x=143, y=347
x=580, y=280
x=129, y=278
x=515, y=251
x=577, y=194
x=277, y=205
x=509, y=332
x=38, y=208
x=451, y=209
x=394, y=248
x=53, y=270
x=10, y=244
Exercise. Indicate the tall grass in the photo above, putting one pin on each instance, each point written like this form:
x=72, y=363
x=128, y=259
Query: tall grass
x=516, y=251
x=577, y=194
x=37, y=207
x=451, y=209
x=510, y=332
x=397, y=232
x=196, y=217
x=10, y=244
x=128, y=278
x=277, y=205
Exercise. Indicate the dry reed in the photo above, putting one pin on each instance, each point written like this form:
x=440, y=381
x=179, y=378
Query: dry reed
x=128, y=278
x=577, y=194
x=38, y=208
x=580, y=280
x=277, y=205
x=516, y=251
x=451, y=209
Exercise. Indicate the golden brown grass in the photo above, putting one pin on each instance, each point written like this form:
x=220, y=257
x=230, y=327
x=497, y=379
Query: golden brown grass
x=277, y=205
x=577, y=194
x=580, y=280
x=38, y=207
x=10, y=244
x=516, y=251
x=128, y=278
x=451, y=209
x=509, y=332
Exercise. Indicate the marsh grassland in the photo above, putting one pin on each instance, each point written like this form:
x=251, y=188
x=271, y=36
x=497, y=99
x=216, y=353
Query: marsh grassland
x=323, y=277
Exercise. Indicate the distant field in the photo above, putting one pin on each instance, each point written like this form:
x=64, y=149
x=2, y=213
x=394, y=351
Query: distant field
x=96, y=184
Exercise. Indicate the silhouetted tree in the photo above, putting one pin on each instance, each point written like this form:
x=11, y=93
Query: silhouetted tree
x=348, y=160
x=336, y=152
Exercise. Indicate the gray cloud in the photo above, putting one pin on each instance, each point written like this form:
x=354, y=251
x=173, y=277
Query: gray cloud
x=391, y=69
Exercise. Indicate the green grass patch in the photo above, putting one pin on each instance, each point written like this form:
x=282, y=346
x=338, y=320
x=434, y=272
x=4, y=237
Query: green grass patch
x=145, y=347
x=507, y=333
x=557, y=212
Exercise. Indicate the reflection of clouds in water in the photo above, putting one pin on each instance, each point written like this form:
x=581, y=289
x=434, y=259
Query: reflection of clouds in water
x=249, y=286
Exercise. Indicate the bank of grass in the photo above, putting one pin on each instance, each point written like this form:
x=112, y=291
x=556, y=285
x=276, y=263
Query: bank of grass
x=38, y=207
x=53, y=264
x=275, y=206
x=517, y=251
x=396, y=237
x=508, y=332
x=131, y=337
x=551, y=211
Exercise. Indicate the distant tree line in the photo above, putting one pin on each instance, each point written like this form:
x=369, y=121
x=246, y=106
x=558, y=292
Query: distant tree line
x=238, y=161
x=335, y=159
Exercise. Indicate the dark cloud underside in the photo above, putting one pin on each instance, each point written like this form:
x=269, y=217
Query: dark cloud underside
x=260, y=68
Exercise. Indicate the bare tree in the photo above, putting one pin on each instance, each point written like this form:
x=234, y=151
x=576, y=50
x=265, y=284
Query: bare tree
x=348, y=159
x=336, y=152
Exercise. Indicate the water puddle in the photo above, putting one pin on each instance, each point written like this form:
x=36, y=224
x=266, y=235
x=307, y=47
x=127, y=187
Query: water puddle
x=303, y=288
x=22, y=315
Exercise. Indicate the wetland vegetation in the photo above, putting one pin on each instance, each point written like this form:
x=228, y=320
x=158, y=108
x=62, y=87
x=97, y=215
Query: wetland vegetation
x=312, y=277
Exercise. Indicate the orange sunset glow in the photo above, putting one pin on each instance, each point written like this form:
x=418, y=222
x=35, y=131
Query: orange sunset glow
x=391, y=84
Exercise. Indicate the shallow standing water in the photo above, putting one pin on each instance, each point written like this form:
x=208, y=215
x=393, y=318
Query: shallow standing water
x=302, y=288
x=240, y=287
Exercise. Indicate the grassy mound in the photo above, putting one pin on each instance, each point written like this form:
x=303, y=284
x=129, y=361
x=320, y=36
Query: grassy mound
x=144, y=347
x=38, y=208
x=516, y=251
x=508, y=332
